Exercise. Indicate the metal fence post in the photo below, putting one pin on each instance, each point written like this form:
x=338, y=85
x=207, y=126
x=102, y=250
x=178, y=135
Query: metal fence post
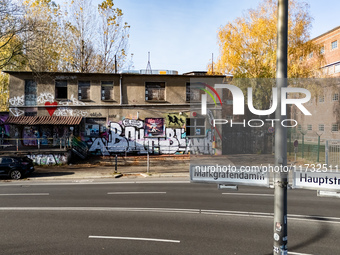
x=318, y=157
x=147, y=162
x=326, y=152
x=17, y=144
x=303, y=145
x=116, y=163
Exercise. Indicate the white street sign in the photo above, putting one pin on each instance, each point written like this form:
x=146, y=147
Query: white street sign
x=228, y=175
x=316, y=180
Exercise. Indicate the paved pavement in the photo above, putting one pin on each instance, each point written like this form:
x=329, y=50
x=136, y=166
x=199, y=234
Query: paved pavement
x=170, y=166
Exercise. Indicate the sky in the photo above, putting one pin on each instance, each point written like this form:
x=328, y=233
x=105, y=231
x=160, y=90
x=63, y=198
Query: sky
x=181, y=35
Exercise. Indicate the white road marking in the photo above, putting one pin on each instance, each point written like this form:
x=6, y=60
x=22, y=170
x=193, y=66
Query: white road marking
x=297, y=253
x=136, y=239
x=249, y=194
x=86, y=183
x=26, y=194
x=128, y=193
x=109, y=209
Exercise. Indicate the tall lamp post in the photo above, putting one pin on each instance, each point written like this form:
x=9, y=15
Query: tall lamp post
x=280, y=178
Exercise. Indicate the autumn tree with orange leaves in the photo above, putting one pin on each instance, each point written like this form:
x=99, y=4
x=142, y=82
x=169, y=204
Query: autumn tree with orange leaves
x=248, y=48
x=248, y=44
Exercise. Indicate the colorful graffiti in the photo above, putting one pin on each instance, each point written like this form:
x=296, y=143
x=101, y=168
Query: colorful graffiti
x=4, y=129
x=49, y=159
x=154, y=127
x=131, y=139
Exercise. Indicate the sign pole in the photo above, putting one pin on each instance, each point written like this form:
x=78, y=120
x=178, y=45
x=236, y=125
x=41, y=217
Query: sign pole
x=280, y=178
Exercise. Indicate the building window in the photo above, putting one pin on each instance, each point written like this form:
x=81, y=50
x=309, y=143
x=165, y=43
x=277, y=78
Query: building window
x=322, y=50
x=95, y=127
x=335, y=97
x=30, y=93
x=299, y=127
x=325, y=70
x=193, y=92
x=61, y=89
x=321, y=99
x=334, y=45
x=31, y=113
x=195, y=126
x=155, y=91
x=321, y=127
x=335, y=128
x=309, y=127
x=107, y=90
x=337, y=68
x=84, y=90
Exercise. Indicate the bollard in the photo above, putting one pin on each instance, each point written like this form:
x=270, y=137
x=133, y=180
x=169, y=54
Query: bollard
x=116, y=163
x=147, y=163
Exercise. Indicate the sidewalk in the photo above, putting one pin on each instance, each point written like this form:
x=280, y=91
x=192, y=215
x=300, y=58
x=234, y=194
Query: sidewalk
x=169, y=166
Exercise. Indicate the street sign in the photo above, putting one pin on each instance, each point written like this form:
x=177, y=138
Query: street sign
x=271, y=129
x=219, y=174
x=316, y=180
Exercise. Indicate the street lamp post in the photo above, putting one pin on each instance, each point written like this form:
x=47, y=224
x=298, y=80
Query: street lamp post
x=280, y=178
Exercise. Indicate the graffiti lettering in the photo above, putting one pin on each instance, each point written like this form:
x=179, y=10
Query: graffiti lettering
x=50, y=159
x=45, y=97
x=17, y=101
x=16, y=112
x=131, y=139
x=133, y=123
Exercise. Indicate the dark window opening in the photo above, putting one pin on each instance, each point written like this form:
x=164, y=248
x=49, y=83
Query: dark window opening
x=84, y=90
x=195, y=127
x=155, y=91
x=193, y=92
x=107, y=90
x=61, y=89
x=30, y=92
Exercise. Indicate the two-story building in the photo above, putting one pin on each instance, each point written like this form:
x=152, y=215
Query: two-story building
x=112, y=113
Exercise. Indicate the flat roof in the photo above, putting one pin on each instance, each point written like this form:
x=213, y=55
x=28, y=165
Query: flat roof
x=336, y=28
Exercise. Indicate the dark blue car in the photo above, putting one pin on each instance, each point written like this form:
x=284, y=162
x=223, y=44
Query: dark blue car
x=16, y=167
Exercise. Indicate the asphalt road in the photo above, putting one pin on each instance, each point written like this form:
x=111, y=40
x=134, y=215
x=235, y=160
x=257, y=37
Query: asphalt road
x=170, y=216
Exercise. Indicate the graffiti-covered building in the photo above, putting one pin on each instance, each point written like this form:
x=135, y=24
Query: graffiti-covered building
x=112, y=113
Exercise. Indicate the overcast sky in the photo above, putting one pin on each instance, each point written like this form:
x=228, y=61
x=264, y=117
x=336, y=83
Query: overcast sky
x=182, y=34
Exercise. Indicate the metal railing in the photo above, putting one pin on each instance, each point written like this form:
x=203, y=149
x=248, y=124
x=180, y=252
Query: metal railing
x=29, y=144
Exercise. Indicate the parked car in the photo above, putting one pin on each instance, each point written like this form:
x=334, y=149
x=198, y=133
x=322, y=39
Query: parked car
x=16, y=167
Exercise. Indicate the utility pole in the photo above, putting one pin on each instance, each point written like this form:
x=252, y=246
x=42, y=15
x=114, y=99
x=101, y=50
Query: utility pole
x=280, y=178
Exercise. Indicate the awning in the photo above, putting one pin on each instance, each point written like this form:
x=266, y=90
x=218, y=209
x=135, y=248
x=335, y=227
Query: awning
x=44, y=120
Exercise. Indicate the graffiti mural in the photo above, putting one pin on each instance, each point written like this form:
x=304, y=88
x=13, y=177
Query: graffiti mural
x=175, y=120
x=123, y=138
x=48, y=159
x=17, y=101
x=52, y=107
x=43, y=98
x=154, y=127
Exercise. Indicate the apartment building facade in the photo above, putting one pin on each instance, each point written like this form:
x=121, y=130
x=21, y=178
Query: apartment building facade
x=324, y=121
